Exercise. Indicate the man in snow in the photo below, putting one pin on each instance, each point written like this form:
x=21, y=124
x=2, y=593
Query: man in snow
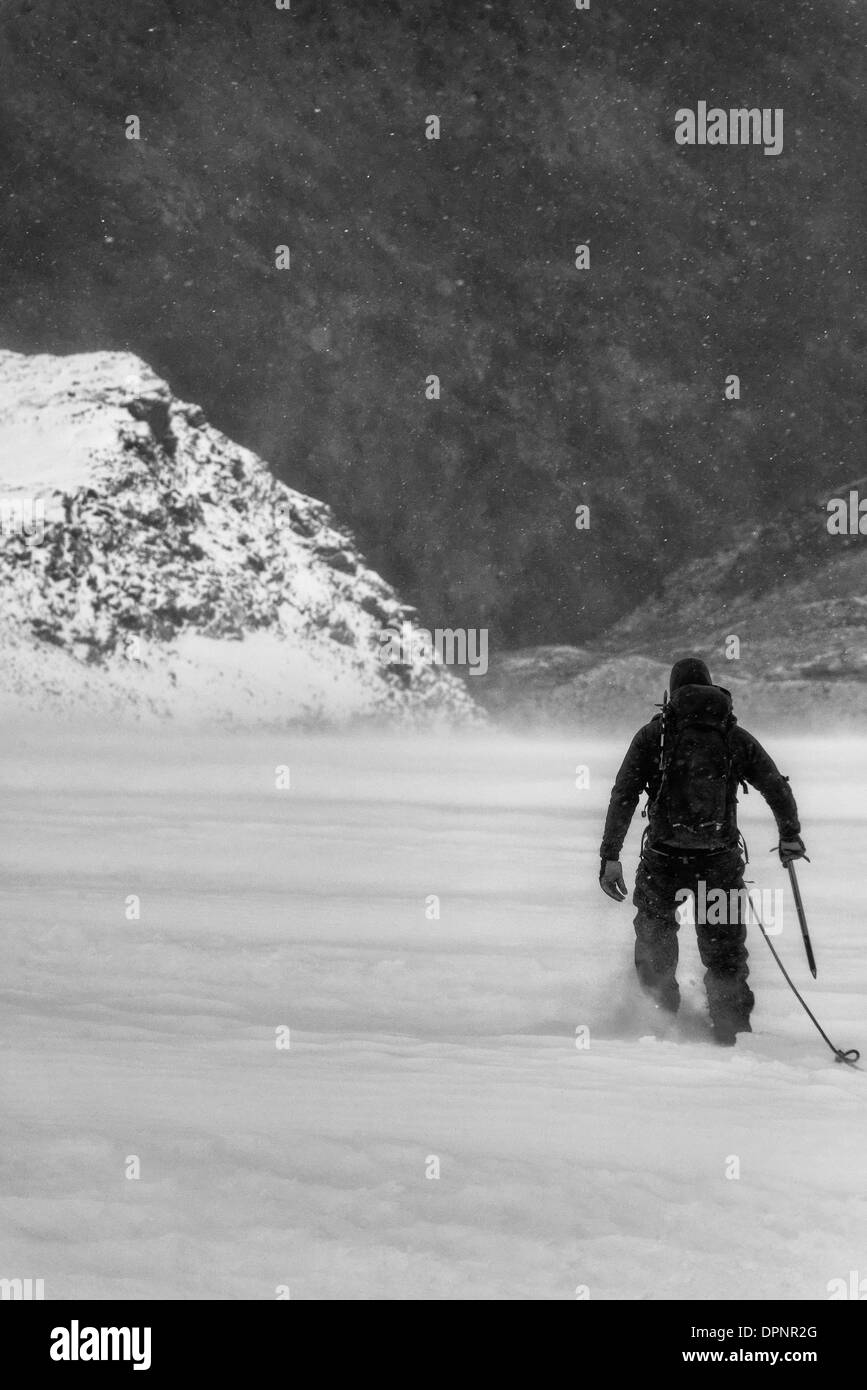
x=690, y=760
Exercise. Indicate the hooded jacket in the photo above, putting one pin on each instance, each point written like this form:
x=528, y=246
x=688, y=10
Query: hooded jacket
x=639, y=772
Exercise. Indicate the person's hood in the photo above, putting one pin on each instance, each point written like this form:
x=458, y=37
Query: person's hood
x=690, y=670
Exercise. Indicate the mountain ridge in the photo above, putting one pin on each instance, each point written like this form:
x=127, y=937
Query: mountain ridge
x=456, y=257
x=169, y=573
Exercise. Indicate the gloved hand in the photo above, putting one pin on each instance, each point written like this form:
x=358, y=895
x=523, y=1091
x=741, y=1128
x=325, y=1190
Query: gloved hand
x=611, y=880
x=790, y=850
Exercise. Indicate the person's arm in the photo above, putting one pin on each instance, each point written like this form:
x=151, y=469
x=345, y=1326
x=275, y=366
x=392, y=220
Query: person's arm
x=630, y=782
x=759, y=769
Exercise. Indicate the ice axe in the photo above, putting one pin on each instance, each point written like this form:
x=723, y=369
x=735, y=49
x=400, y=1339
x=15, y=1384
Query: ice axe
x=851, y=1055
x=799, y=908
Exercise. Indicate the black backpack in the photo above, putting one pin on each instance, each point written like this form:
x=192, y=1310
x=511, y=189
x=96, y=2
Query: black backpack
x=693, y=805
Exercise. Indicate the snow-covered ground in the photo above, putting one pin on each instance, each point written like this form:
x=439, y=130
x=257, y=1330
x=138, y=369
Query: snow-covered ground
x=413, y=1038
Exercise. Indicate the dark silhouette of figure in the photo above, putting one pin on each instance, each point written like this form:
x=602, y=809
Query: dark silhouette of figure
x=690, y=760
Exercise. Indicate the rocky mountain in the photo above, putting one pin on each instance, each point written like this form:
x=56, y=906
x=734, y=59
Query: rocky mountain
x=150, y=566
x=793, y=593
x=780, y=617
x=573, y=690
x=308, y=127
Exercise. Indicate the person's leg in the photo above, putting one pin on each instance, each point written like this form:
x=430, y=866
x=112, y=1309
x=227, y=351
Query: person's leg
x=722, y=946
x=656, y=927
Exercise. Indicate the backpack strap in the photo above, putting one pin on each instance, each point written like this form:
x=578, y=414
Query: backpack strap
x=663, y=729
x=741, y=780
x=663, y=755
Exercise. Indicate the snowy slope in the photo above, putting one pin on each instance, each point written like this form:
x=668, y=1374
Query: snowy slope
x=552, y=687
x=410, y=1037
x=174, y=575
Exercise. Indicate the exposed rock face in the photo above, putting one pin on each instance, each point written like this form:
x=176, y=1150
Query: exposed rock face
x=573, y=688
x=148, y=563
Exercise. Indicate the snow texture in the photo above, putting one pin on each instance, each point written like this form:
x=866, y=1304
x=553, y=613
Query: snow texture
x=174, y=575
x=411, y=1037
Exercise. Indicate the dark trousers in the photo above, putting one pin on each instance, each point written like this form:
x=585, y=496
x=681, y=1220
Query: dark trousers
x=721, y=943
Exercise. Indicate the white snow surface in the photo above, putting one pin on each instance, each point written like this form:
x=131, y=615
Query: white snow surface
x=411, y=1037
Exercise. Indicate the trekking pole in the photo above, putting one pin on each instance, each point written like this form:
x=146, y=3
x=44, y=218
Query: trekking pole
x=799, y=906
x=852, y=1055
